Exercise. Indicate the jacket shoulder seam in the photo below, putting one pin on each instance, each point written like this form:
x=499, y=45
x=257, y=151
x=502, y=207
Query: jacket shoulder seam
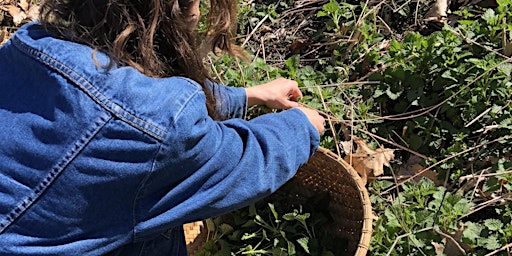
x=93, y=92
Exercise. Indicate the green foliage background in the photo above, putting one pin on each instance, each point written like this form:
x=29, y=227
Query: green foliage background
x=438, y=93
x=441, y=96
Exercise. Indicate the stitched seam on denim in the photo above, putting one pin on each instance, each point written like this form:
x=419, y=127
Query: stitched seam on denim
x=141, y=187
x=54, y=173
x=92, y=91
x=179, y=112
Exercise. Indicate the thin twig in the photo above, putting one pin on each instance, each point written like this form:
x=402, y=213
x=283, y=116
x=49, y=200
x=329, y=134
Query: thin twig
x=476, y=185
x=348, y=123
x=448, y=158
x=451, y=239
x=340, y=84
x=507, y=196
x=398, y=238
x=254, y=30
x=472, y=176
x=506, y=247
x=215, y=70
x=478, y=117
x=330, y=121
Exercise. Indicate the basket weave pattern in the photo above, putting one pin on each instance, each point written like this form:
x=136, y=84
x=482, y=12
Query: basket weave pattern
x=350, y=205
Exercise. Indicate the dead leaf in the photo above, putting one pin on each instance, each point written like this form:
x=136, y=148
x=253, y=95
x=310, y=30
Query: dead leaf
x=4, y=35
x=346, y=146
x=33, y=12
x=368, y=162
x=439, y=248
x=453, y=246
x=438, y=12
x=16, y=13
x=507, y=44
x=414, y=168
x=298, y=46
x=23, y=4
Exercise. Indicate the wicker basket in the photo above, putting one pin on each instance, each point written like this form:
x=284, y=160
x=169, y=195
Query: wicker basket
x=325, y=172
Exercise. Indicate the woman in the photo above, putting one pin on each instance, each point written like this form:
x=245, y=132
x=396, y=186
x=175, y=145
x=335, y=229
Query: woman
x=113, y=135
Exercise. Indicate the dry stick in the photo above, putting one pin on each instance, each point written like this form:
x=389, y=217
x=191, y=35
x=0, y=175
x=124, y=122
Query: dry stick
x=241, y=71
x=506, y=247
x=264, y=55
x=401, y=6
x=254, y=30
x=386, y=25
x=300, y=9
x=472, y=176
x=330, y=121
x=457, y=33
x=215, y=70
x=507, y=196
x=351, y=130
x=257, y=27
x=478, y=117
x=452, y=239
x=416, y=13
x=398, y=238
x=334, y=42
x=476, y=185
x=446, y=159
x=340, y=84
x=347, y=122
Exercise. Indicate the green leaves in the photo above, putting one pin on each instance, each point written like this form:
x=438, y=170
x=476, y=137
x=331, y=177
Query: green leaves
x=444, y=96
x=267, y=228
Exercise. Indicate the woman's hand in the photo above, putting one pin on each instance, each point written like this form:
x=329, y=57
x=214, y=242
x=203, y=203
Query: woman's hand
x=315, y=118
x=283, y=94
x=278, y=94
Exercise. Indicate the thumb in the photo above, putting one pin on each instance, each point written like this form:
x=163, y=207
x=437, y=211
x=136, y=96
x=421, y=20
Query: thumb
x=292, y=104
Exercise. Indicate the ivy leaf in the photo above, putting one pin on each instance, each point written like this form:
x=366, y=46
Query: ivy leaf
x=493, y=224
x=492, y=243
x=490, y=16
x=331, y=7
x=292, y=64
x=303, y=242
x=291, y=248
x=391, y=218
x=472, y=231
x=462, y=207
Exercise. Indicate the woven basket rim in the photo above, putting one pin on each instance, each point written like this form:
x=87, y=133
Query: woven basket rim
x=195, y=228
x=367, y=229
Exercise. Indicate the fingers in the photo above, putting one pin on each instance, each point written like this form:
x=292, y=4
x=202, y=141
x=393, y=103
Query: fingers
x=291, y=104
x=286, y=93
x=280, y=93
x=315, y=119
x=294, y=92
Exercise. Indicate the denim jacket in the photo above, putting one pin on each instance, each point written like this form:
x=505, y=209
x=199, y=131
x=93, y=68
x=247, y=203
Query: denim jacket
x=94, y=160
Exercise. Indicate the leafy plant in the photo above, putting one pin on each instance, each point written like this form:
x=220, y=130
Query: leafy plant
x=273, y=227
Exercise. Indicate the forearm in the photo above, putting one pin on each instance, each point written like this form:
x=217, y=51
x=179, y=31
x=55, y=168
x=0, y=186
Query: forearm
x=254, y=96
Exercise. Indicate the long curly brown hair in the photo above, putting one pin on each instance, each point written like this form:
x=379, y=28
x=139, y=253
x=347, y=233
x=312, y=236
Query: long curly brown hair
x=153, y=36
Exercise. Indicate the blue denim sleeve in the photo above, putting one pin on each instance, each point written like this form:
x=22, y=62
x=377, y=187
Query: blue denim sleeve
x=207, y=168
x=232, y=101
